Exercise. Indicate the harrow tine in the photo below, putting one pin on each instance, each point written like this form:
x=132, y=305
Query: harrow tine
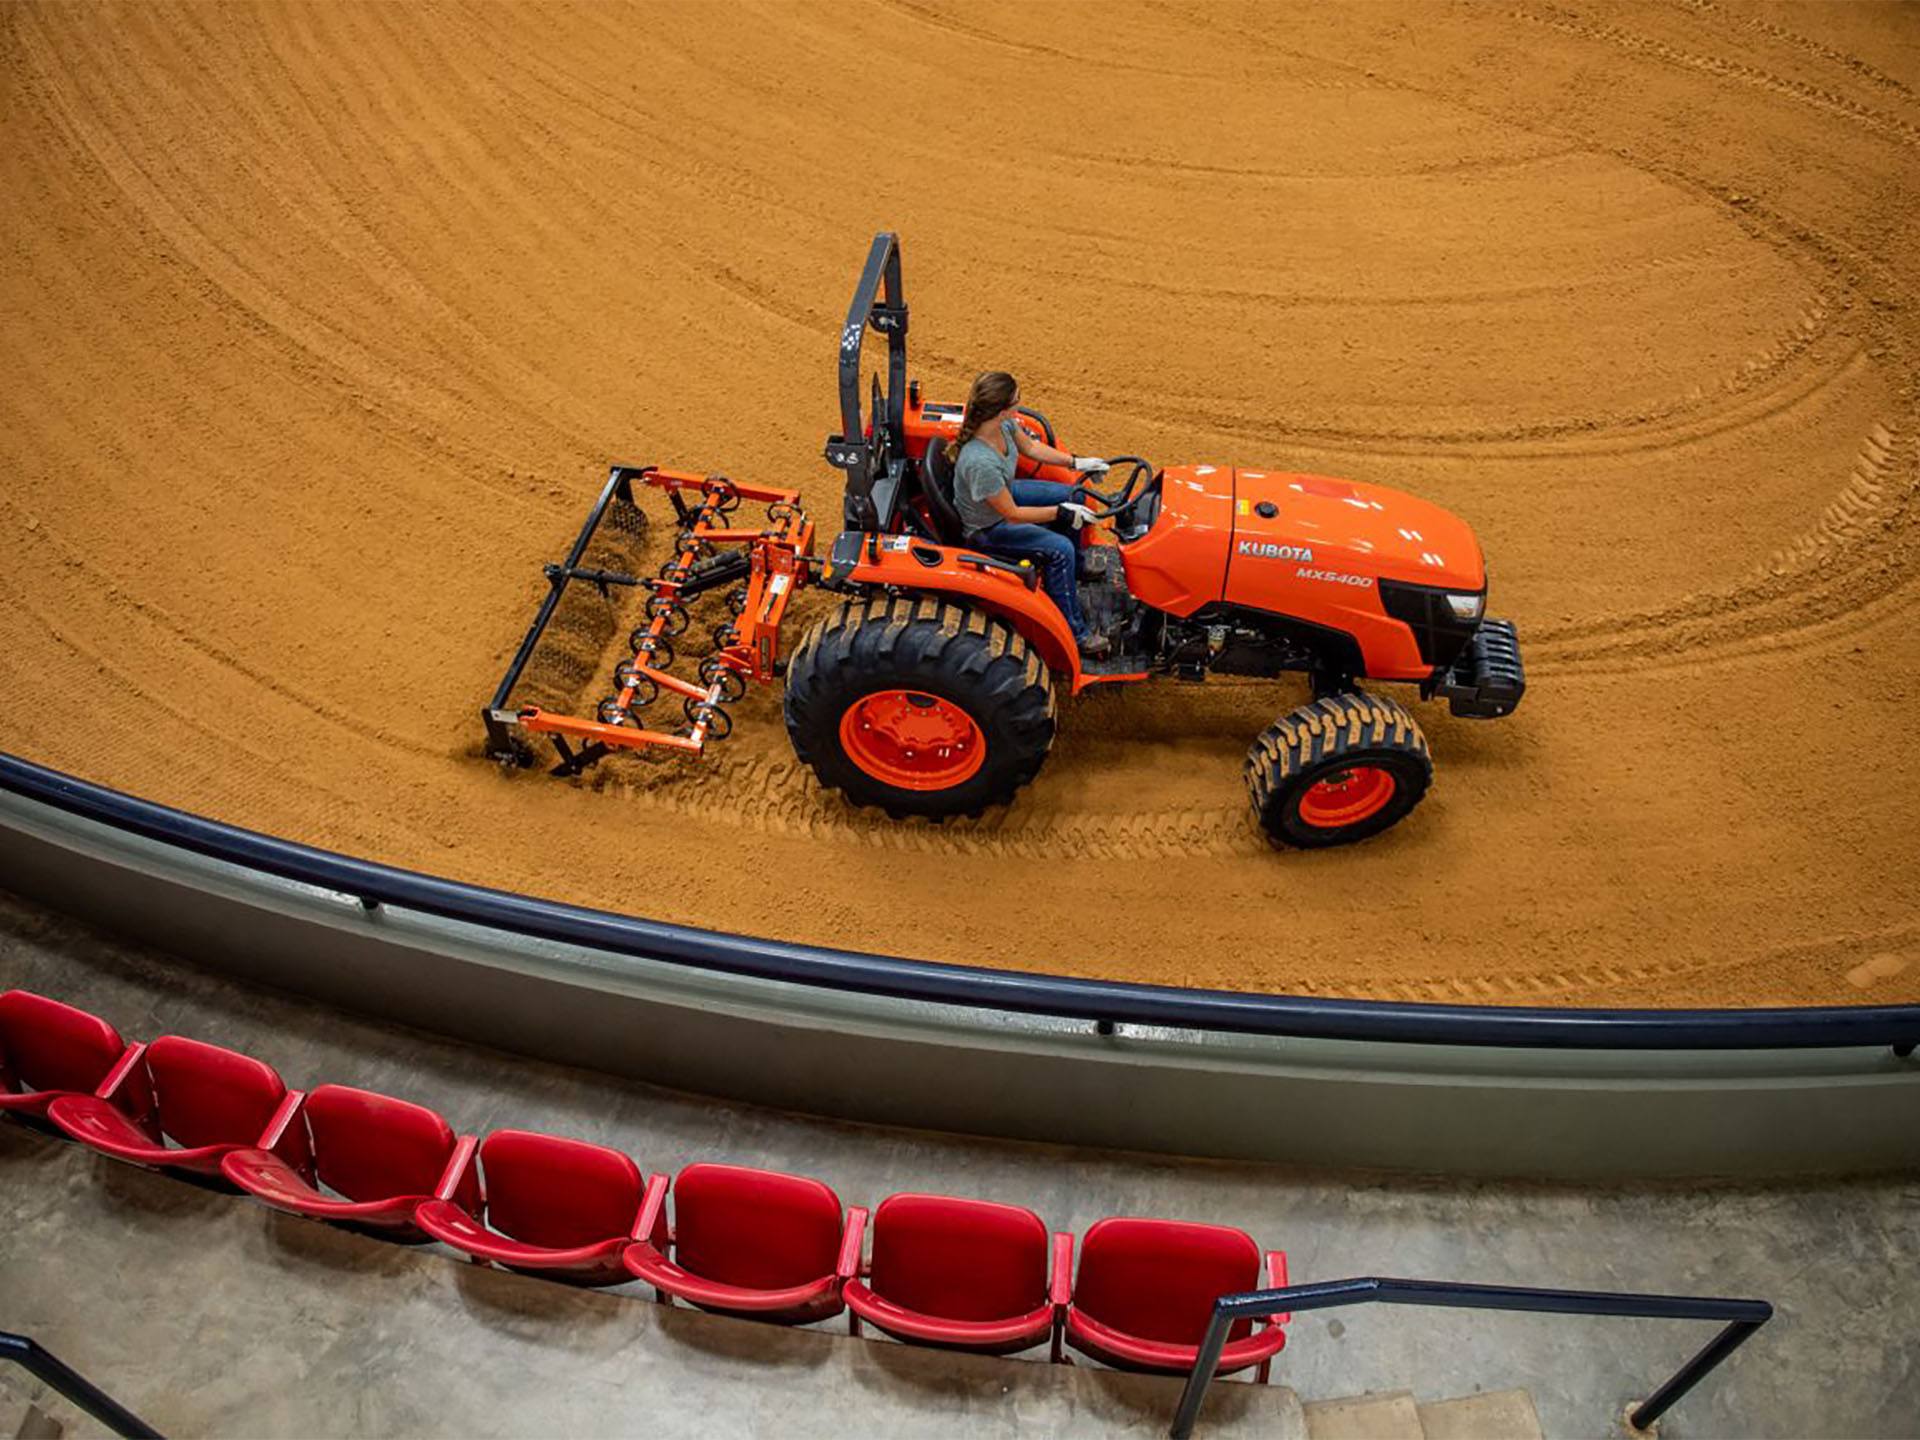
x=701, y=562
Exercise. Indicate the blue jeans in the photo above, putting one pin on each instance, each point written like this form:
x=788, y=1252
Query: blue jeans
x=1056, y=556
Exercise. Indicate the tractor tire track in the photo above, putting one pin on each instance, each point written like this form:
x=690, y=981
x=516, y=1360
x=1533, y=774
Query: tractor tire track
x=1886, y=127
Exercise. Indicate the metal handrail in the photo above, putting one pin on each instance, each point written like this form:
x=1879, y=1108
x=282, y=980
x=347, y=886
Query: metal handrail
x=1743, y=1317
x=1106, y=1002
x=38, y=1361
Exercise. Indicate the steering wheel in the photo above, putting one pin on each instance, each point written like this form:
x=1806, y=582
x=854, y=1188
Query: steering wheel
x=1124, y=499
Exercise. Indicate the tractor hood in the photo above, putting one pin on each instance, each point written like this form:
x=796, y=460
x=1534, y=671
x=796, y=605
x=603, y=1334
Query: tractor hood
x=1347, y=529
x=1300, y=545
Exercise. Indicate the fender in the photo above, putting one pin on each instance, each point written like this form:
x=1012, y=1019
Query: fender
x=1000, y=587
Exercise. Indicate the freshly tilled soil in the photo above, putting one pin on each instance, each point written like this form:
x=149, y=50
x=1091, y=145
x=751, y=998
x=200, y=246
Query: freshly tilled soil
x=319, y=325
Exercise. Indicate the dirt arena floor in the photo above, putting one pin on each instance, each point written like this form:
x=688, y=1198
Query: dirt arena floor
x=319, y=324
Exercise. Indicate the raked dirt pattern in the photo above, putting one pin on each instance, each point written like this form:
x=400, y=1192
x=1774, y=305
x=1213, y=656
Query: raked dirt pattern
x=318, y=325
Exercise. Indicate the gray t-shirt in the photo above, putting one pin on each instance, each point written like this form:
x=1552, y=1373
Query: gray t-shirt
x=982, y=471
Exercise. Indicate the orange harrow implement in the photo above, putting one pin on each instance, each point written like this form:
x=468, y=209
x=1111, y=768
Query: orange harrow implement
x=770, y=563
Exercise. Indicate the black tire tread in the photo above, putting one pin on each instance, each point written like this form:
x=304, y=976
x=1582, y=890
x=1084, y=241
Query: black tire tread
x=866, y=642
x=1321, y=730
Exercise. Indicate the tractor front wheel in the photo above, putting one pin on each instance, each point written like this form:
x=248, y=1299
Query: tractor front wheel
x=919, y=705
x=1337, y=770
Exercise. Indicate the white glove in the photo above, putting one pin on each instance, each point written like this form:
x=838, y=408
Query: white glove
x=1087, y=465
x=1075, y=515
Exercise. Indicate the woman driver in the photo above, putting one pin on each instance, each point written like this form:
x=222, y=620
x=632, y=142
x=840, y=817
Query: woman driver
x=1008, y=517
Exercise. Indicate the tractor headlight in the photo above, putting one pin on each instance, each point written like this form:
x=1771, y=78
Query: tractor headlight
x=1442, y=621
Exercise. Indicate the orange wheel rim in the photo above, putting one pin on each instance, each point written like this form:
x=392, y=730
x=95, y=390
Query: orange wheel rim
x=1347, y=797
x=912, y=740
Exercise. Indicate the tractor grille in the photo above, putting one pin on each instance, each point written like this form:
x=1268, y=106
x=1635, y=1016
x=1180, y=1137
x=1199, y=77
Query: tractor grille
x=1440, y=634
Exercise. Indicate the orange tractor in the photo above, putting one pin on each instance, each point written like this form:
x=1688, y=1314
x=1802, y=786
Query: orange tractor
x=930, y=689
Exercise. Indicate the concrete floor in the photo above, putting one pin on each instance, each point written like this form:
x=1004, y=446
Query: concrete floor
x=210, y=1315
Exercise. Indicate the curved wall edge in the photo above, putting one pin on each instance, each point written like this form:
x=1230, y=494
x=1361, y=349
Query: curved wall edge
x=1575, y=1114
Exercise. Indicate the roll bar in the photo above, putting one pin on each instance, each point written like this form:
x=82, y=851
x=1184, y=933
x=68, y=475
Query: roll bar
x=875, y=463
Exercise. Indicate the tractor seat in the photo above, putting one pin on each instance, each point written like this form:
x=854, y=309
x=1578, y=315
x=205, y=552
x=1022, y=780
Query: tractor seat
x=936, y=482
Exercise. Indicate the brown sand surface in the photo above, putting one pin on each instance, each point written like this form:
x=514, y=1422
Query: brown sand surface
x=319, y=323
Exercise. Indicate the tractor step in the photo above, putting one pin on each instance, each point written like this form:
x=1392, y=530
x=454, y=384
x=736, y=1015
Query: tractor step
x=1487, y=681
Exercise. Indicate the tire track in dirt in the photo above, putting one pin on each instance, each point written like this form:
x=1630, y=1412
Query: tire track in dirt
x=1832, y=955
x=1854, y=564
x=771, y=795
x=1876, y=122
x=1479, y=166
x=1816, y=317
x=1767, y=366
x=947, y=24
x=1806, y=45
x=1713, y=406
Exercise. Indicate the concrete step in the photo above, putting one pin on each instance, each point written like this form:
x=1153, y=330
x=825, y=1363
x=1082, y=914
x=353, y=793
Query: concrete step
x=1387, y=1415
x=31, y=1409
x=1496, y=1415
x=21, y=1418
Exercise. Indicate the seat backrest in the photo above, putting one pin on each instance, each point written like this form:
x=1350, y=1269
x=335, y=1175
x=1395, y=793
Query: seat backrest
x=561, y=1193
x=1158, y=1279
x=373, y=1147
x=754, y=1228
x=936, y=481
x=206, y=1095
x=50, y=1046
x=959, y=1259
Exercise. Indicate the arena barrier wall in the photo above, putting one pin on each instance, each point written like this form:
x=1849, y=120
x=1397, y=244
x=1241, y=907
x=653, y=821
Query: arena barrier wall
x=1585, y=1094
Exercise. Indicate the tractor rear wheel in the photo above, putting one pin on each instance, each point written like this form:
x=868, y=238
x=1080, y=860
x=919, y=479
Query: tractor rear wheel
x=1337, y=770
x=919, y=705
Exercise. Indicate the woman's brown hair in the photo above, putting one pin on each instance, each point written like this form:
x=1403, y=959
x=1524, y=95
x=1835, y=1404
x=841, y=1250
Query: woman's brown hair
x=992, y=392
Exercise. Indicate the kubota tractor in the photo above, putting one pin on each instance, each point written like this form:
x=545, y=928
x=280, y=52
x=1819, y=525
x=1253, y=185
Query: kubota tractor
x=931, y=688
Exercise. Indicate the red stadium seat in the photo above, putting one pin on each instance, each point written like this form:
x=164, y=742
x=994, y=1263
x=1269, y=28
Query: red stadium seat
x=1146, y=1290
x=382, y=1158
x=963, y=1275
x=205, y=1100
x=562, y=1209
x=746, y=1242
x=48, y=1050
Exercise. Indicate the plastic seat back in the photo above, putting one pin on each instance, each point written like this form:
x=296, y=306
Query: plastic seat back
x=210, y=1096
x=1158, y=1279
x=936, y=482
x=49, y=1046
x=371, y=1147
x=754, y=1228
x=544, y=1190
x=959, y=1259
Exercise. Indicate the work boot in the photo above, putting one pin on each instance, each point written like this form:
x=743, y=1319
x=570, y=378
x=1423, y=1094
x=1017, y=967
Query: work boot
x=1095, y=647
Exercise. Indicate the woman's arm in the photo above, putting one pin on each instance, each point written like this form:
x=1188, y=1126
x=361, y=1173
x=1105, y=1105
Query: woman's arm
x=1001, y=503
x=1038, y=450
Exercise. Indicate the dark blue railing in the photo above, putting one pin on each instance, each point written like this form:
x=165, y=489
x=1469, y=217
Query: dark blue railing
x=1741, y=1317
x=1105, y=1002
x=30, y=1356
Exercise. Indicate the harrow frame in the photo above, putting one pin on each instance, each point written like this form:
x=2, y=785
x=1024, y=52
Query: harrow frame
x=774, y=562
